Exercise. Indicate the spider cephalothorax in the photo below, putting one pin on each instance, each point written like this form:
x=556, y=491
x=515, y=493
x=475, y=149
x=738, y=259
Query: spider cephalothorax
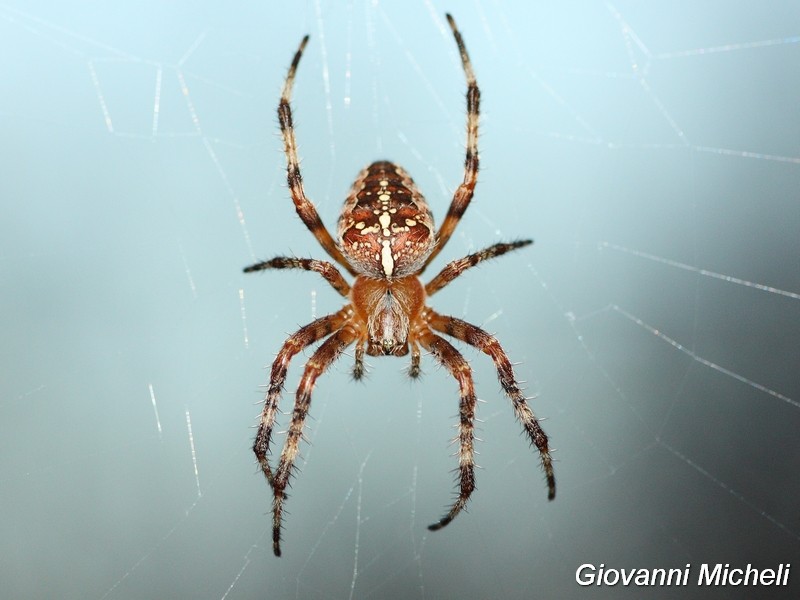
x=386, y=239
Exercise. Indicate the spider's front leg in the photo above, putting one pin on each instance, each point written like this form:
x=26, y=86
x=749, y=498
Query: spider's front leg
x=488, y=344
x=319, y=362
x=303, y=337
x=451, y=359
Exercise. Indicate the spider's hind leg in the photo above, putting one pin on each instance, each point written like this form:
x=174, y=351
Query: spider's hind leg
x=305, y=208
x=463, y=194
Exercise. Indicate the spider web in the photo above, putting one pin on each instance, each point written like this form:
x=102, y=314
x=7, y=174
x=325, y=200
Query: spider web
x=652, y=152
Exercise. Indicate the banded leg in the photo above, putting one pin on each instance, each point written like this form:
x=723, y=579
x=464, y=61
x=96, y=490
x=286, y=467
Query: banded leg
x=305, y=336
x=319, y=362
x=463, y=194
x=305, y=208
x=452, y=360
x=488, y=344
x=328, y=271
x=457, y=267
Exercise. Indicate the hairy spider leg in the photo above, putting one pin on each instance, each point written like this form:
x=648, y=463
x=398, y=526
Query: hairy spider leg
x=463, y=195
x=457, y=267
x=303, y=337
x=319, y=362
x=488, y=344
x=328, y=271
x=459, y=368
x=305, y=208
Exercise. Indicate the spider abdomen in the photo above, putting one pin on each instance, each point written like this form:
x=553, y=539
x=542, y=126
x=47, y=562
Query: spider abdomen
x=386, y=228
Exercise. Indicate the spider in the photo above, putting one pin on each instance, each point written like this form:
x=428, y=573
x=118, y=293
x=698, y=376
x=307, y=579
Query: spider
x=386, y=239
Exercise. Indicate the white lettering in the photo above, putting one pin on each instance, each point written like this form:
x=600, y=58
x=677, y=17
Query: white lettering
x=732, y=579
x=764, y=578
x=611, y=577
x=785, y=576
x=643, y=577
x=588, y=574
x=711, y=577
x=720, y=574
x=583, y=578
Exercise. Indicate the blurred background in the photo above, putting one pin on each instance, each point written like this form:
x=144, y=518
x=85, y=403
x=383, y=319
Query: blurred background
x=652, y=150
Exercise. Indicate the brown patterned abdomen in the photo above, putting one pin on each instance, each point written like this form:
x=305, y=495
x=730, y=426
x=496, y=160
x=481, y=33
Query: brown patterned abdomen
x=386, y=228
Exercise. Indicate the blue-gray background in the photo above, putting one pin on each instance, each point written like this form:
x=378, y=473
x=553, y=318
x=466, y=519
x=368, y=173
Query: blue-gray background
x=651, y=149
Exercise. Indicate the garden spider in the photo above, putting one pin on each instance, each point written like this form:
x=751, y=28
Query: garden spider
x=386, y=240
